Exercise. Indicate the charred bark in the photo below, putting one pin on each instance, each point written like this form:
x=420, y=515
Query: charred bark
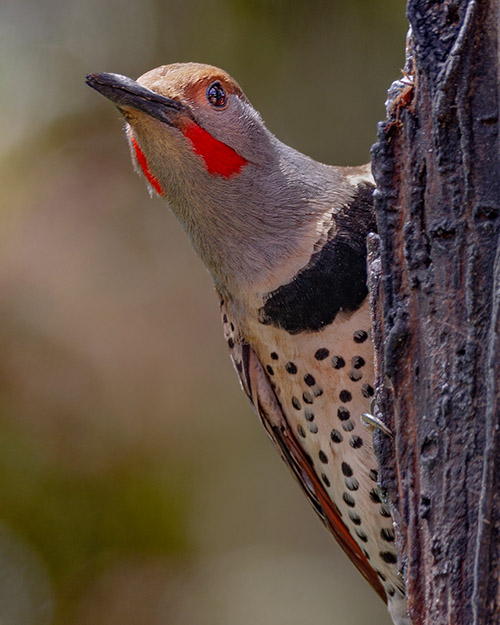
x=435, y=284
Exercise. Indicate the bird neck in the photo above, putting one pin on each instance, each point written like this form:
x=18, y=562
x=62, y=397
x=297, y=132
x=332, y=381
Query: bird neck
x=267, y=216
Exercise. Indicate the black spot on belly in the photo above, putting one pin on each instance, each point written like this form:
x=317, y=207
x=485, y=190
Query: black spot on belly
x=367, y=390
x=336, y=436
x=346, y=469
x=348, y=426
x=355, y=518
x=360, y=336
x=307, y=397
x=357, y=362
x=389, y=557
x=356, y=441
x=291, y=368
x=387, y=534
x=301, y=431
x=333, y=280
x=322, y=353
x=309, y=380
x=323, y=457
x=384, y=511
x=343, y=414
x=325, y=479
x=345, y=396
x=351, y=483
x=349, y=500
x=338, y=362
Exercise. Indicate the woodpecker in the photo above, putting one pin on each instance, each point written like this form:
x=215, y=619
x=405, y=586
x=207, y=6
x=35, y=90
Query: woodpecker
x=284, y=239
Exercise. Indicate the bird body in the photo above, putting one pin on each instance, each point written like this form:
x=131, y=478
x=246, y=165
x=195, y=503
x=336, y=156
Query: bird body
x=284, y=239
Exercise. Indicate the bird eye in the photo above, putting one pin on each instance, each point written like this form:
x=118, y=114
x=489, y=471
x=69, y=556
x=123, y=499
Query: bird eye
x=216, y=95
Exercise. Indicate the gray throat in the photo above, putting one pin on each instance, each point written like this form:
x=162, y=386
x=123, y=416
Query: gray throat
x=245, y=226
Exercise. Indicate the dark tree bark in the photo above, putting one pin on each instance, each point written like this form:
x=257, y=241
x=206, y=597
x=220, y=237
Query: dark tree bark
x=435, y=281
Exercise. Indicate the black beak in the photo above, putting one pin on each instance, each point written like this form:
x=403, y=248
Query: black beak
x=125, y=92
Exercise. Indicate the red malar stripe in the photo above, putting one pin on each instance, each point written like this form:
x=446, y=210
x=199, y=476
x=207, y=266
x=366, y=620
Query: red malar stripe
x=220, y=159
x=141, y=159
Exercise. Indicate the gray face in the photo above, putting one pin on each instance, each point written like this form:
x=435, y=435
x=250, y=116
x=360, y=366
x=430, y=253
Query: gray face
x=230, y=118
x=180, y=94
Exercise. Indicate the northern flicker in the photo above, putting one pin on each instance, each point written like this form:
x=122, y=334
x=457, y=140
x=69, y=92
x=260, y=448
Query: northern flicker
x=284, y=239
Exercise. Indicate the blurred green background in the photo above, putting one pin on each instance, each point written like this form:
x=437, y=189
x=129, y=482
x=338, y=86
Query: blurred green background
x=136, y=486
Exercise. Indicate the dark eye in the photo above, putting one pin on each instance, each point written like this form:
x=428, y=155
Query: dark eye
x=216, y=95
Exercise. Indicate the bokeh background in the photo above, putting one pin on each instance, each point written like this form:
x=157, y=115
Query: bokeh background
x=136, y=486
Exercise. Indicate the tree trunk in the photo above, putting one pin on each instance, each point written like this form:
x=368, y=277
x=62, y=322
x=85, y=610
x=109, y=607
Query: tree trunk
x=435, y=282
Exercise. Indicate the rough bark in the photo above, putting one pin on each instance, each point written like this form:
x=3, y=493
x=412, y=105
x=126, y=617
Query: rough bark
x=435, y=282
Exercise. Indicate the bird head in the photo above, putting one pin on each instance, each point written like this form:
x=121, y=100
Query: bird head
x=243, y=197
x=197, y=114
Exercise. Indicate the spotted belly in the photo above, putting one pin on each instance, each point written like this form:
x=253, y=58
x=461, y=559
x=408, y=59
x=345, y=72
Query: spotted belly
x=324, y=383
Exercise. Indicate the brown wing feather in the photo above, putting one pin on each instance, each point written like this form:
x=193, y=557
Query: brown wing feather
x=257, y=387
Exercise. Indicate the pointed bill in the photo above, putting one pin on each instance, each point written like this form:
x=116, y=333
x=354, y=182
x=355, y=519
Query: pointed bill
x=127, y=93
